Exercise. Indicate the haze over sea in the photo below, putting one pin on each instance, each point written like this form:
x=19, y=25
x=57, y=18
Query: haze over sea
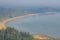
x=48, y=24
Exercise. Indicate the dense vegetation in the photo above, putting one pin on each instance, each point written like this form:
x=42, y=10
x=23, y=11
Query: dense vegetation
x=12, y=34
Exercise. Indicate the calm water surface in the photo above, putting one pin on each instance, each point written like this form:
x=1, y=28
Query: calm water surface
x=43, y=24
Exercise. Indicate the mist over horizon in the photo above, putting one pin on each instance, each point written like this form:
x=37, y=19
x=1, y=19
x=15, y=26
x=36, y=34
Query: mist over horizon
x=30, y=3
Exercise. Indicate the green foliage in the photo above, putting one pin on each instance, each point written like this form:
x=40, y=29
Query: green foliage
x=12, y=34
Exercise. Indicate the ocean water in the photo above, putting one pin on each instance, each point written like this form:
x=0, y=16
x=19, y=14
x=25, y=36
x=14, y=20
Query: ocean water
x=41, y=24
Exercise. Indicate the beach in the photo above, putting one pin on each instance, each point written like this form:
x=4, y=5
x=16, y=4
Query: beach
x=3, y=22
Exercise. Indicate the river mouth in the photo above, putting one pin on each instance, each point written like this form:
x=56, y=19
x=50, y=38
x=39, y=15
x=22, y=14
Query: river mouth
x=41, y=24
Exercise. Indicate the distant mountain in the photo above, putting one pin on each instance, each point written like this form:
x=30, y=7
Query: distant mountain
x=44, y=9
x=11, y=12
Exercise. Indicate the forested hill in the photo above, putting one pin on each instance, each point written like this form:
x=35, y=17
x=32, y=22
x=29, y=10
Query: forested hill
x=12, y=34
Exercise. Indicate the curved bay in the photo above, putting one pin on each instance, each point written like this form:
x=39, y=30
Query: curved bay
x=45, y=24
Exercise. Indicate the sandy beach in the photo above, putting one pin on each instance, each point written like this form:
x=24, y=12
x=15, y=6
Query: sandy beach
x=3, y=22
x=37, y=36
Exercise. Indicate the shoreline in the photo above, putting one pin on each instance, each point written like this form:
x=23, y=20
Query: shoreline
x=3, y=22
x=36, y=36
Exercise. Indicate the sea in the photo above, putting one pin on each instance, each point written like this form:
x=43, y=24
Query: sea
x=48, y=24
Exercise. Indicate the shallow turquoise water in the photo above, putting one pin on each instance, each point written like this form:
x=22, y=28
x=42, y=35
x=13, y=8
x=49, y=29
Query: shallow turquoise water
x=43, y=24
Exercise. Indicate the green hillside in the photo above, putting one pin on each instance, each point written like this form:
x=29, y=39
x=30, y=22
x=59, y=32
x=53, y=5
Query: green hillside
x=12, y=34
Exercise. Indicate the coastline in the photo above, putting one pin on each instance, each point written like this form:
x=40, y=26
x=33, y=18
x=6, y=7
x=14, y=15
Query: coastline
x=36, y=36
x=3, y=22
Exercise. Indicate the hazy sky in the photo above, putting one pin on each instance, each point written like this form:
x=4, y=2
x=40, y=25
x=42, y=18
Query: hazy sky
x=30, y=2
